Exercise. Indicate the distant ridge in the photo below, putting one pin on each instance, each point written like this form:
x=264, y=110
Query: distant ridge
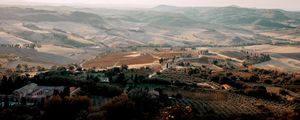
x=160, y=25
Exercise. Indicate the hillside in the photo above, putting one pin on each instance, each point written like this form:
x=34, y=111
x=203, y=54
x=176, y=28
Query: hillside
x=162, y=25
x=77, y=32
x=32, y=58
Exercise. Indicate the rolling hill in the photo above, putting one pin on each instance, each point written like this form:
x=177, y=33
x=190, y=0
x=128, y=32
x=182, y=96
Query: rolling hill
x=81, y=27
x=99, y=29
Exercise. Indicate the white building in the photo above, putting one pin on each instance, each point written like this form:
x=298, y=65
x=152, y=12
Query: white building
x=32, y=90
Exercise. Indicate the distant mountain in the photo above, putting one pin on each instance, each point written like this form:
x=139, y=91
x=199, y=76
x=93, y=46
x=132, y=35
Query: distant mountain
x=161, y=25
x=233, y=15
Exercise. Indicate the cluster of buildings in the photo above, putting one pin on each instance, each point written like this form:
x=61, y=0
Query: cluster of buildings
x=32, y=93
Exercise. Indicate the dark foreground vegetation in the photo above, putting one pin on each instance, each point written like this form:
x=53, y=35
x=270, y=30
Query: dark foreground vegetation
x=130, y=94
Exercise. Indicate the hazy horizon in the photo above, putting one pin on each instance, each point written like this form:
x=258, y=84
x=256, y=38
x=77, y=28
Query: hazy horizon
x=267, y=4
x=149, y=59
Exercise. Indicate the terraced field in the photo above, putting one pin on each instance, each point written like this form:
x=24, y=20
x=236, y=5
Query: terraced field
x=236, y=105
x=221, y=109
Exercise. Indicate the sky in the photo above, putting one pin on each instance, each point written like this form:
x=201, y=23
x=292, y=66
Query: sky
x=278, y=4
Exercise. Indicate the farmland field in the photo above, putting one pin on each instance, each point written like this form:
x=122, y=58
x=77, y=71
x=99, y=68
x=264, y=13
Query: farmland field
x=274, y=49
x=295, y=56
x=234, y=54
x=234, y=105
x=168, y=54
x=200, y=61
x=131, y=59
x=278, y=64
x=59, y=50
x=284, y=58
x=31, y=57
x=173, y=75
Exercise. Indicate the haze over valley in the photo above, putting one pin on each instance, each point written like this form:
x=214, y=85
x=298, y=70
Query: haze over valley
x=158, y=60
